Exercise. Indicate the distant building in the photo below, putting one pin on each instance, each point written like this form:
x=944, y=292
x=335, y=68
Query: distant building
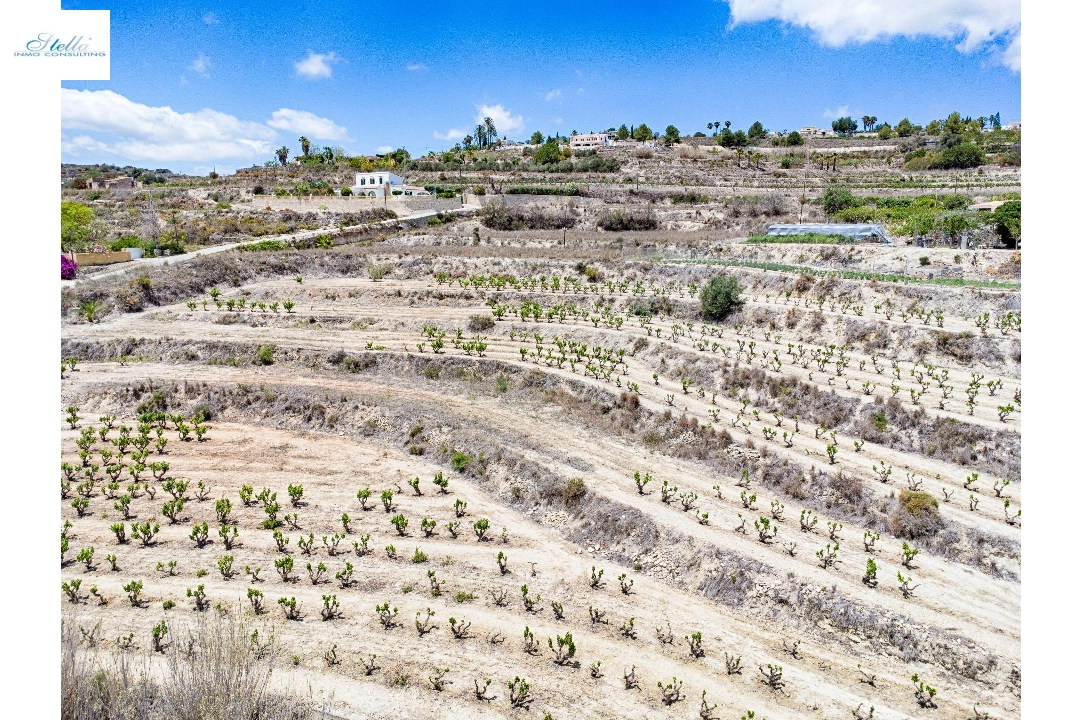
x=591, y=140
x=1013, y=126
x=377, y=184
x=812, y=131
x=856, y=232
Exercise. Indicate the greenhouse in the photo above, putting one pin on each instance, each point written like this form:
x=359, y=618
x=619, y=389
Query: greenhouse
x=854, y=232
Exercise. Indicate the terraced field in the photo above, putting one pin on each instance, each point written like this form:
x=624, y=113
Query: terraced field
x=795, y=509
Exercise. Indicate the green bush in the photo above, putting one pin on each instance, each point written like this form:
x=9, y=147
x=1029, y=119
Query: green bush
x=128, y=241
x=719, y=297
x=547, y=154
x=264, y=245
x=915, y=514
x=964, y=155
x=917, y=502
x=460, y=460
x=879, y=421
x=265, y=355
x=567, y=190
x=794, y=138
x=1008, y=217
x=862, y=214
x=837, y=198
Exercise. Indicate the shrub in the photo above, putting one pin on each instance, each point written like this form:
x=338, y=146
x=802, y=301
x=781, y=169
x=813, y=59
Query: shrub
x=837, y=198
x=1008, y=219
x=620, y=220
x=964, y=155
x=690, y=198
x=460, y=461
x=860, y=214
x=719, y=297
x=547, y=154
x=499, y=216
x=265, y=355
x=574, y=489
x=480, y=323
x=916, y=514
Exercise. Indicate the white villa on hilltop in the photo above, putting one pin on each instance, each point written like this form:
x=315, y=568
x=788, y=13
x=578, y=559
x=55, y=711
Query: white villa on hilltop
x=382, y=183
x=591, y=140
x=377, y=184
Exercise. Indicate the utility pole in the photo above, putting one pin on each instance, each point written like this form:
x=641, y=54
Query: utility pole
x=154, y=222
x=803, y=194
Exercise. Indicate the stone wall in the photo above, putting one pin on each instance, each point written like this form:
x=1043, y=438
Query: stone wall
x=403, y=205
x=103, y=258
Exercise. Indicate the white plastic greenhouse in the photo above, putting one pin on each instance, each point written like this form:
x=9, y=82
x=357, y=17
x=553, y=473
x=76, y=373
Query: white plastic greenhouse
x=857, y=232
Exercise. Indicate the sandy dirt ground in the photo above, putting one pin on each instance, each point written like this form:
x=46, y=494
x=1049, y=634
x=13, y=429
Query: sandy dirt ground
x=558, y=493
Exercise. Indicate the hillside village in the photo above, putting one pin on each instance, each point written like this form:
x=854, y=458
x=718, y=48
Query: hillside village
x=938, y=185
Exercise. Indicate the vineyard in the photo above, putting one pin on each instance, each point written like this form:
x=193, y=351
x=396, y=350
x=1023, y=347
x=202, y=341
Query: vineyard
x=435, y=477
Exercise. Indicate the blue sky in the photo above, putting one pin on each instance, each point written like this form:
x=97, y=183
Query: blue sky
x=201, y=85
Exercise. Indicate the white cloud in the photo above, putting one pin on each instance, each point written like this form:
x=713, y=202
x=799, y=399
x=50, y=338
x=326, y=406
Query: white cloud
x=973, y=23
x=316, y=66
x=416, y=67
x=558, y=121
x=101, y=122
x=453, y=134
x=502, y=118
x=308, y=124
x=384, y=149
x=840, y=111
x=210, y=19
x=201, y=65
x=1012, y=56
x=552, y=95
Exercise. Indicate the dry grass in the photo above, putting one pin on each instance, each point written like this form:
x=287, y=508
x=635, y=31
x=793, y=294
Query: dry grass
x=210, y=671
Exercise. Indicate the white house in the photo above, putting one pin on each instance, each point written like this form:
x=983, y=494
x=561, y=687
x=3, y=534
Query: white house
x=812, y=131
x=591, y=140
x=377, y=184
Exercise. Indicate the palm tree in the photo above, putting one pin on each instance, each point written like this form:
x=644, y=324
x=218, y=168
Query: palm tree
x=710, y=126
x=867, y=121
x=283, y=154
x=467, y=141
x=305, y=145
x=481, y=134
x=490, y=129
